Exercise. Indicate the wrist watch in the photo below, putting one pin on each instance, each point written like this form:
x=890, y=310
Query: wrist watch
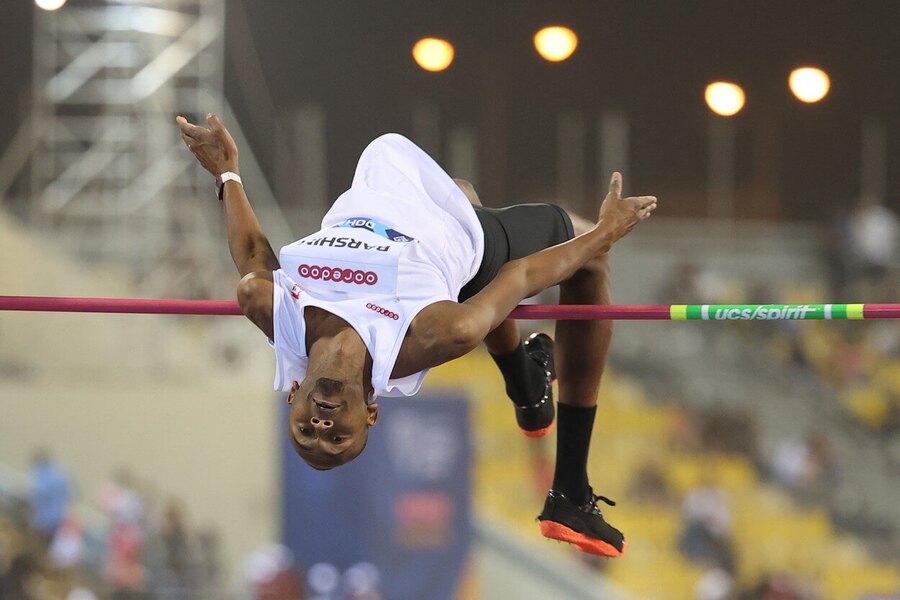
x=221, y=179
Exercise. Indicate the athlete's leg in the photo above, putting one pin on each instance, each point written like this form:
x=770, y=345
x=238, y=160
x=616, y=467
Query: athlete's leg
x=525, y=379
x=581, y=349
x=570, y=513
x=505, y=338
x=582, y=346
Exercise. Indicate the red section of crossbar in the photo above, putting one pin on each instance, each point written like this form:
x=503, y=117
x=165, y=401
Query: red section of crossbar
x=221, y=307
x=573, y=312
x=120, y=305
x=881, y=311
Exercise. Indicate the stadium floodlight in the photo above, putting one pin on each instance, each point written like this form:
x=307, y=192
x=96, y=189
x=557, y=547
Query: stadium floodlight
x=809, y=84
x=433, y=54
x=724, y=98
x=556, y=43
x=50, y=4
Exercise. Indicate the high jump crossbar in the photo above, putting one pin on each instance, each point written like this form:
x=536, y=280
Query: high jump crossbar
x=650, y=312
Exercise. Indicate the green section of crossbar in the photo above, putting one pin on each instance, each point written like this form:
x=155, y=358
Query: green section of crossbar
x=765, y=312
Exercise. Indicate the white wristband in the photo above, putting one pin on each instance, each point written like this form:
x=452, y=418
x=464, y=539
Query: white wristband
x=221, y=179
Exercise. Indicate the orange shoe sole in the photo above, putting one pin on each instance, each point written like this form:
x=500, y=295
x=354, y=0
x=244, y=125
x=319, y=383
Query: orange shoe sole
x=556, y=531
x=539, y=433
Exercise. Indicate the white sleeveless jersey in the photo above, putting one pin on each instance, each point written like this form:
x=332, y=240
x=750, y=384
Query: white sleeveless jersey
x=402, y=237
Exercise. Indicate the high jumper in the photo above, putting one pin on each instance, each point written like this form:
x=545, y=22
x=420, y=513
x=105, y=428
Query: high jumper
x=408, y=272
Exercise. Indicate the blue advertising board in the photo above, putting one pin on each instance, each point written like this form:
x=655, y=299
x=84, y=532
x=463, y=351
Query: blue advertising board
x=402, y=505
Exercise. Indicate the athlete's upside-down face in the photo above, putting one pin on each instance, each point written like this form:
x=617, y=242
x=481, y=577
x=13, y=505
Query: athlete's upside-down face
x=329, y=422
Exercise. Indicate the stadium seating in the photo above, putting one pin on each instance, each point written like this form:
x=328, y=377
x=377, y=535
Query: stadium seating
x=771, y=533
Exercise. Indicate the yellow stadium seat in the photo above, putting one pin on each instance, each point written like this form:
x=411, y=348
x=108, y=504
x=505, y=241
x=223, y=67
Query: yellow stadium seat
x=855, y=582
x=661, y=580
x=888, y=375
x=868, y=404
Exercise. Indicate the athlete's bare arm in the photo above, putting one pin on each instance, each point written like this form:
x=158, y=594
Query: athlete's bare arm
x=447, y=330
x=215, y=149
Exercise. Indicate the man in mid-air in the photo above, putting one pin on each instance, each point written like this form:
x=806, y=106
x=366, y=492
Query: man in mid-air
x=409, y=271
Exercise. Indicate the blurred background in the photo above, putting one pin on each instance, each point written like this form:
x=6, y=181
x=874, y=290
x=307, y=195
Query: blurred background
x=145, y=457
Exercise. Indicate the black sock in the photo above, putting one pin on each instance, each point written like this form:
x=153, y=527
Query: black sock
x=573, y=439
x=524, y=378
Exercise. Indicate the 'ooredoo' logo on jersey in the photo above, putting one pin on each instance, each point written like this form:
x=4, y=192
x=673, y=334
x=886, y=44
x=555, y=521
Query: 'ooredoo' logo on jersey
x=326, y=273
x=383, y=311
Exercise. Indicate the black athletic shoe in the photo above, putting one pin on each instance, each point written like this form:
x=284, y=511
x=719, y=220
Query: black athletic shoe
x=582, y=525
x=537, y=420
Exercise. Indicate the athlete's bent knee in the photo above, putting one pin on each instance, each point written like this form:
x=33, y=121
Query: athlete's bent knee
x=469, y=190
x=595, y=268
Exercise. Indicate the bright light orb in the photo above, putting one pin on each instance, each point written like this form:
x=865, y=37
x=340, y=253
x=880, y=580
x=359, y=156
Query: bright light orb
x=725, y=99
x=809, y=84
x=50, y=4
x=555, y=44
x=433, y=54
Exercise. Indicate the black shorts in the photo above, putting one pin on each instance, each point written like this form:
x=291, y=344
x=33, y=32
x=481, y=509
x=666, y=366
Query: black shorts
x=514, y=232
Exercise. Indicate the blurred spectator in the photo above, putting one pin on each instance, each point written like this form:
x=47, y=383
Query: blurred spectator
x=873, y=239
x=779, y=586
x=269, y=574
x=649, y=486
x=852, y=356
x=821, y=465
x=67, y=547
x=691, y=285
x=714, y=584
x=837, y=266
x=807, y=467
x=124, y=563
x=729, y=431
x=118, y=497
x=684, y=287
x=706, y=535
x=77, y=590
x=49, y=494
x=124, y=568
x=208, y=556
x=684, y=434
x=175, y=546
x=885, y=339
x=16, y=581
x=789, y=462
x=81, y=593
x=361, y=582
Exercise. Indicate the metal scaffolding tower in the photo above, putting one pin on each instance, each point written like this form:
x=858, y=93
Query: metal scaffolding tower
x=107, y=172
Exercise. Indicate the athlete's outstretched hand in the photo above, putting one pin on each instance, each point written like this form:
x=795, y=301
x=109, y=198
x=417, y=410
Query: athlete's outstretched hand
x=619, y=215
x=214, y=148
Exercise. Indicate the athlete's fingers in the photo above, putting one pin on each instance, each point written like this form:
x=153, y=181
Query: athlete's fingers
x=615, y=185
x=219, y=130
x=192, y=143
x=191, y=130
x=184, y=124
x=643, y=201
